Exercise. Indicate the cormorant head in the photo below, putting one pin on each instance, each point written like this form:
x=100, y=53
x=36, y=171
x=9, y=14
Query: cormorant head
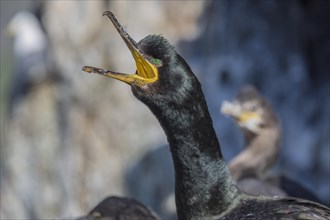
x=250, y=110
x=161, y=73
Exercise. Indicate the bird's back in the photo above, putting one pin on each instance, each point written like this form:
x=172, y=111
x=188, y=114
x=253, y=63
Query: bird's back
x=278, y=208
x=120, y=208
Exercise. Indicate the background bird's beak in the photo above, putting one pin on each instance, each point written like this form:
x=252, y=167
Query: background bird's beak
x=146, y=72
x=247, y=116
x=234, y=109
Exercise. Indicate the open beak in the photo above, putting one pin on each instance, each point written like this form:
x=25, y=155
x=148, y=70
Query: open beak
x=146, y=72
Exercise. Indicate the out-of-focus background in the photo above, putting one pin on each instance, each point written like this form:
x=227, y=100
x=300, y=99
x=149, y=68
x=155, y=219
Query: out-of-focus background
x=69, y=139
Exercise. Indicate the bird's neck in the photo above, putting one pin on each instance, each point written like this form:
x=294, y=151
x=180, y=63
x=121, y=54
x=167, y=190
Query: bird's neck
x=202, y=181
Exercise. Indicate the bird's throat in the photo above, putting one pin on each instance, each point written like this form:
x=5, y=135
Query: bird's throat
x=202, y=181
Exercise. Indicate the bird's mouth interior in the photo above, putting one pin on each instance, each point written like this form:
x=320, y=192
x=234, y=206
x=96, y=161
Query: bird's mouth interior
x=146, y=72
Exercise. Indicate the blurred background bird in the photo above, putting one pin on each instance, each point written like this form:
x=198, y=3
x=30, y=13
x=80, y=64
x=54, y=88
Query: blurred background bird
x=261, y=130
x=119, y=208
x=66, y=147
x=252, y=167
x=33, y=64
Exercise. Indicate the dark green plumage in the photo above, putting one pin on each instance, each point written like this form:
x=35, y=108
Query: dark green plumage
x=177, y=101
x=274, y=209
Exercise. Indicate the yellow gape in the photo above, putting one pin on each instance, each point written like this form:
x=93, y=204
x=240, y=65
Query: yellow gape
x=146, y=71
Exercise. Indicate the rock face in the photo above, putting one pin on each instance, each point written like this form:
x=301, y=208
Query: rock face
x=73, y=141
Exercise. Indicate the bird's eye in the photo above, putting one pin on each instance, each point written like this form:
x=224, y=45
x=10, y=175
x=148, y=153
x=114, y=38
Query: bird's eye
x=156, y=61
x=254, y=107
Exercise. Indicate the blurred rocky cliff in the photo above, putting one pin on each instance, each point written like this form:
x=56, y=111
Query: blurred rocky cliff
x=71, y=138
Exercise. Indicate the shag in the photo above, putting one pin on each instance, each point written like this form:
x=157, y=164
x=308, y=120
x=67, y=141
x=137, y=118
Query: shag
x=119, y=208
x=261, y=130
x=30, y=53
x=203, y=185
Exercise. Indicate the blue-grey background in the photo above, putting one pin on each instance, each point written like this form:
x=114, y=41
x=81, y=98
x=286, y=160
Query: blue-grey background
x=68, y=139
